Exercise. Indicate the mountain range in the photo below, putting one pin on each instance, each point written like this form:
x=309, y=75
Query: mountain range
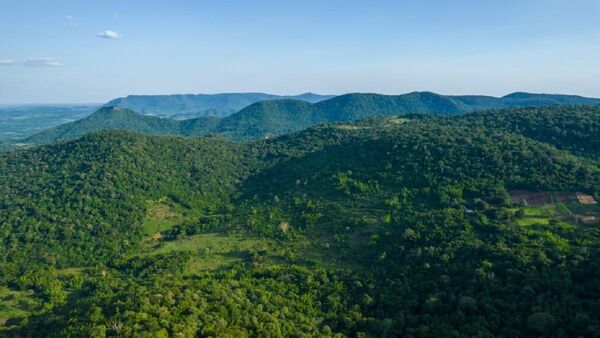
x=186, y=106
x=276, y=117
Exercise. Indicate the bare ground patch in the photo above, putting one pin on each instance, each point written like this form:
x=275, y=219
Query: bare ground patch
x=586, y=199
x=539, y=198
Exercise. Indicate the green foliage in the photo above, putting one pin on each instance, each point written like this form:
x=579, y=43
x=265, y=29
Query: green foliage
x=377, y=229
x=576, y=129
x=74, y=203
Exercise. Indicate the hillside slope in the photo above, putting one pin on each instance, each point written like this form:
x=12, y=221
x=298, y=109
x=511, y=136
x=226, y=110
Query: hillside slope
x=107, y=118
x=573, y=128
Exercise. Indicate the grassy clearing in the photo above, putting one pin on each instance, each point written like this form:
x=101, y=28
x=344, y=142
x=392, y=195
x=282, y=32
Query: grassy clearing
x=350, y=127
x=563, y=209
x=213, y=251
x=159, y=217
x=557, y=215
x=528, y=221
x=219, y=249
x=544, y=211
x=396, y=120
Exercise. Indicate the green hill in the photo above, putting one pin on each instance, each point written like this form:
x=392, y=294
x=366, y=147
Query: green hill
x=102, y=181
x=108, y=118
x=200, y=105
x=269, y=118
x=383, y=227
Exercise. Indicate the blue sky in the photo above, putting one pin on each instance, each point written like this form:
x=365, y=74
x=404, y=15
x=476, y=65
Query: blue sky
x=92, y=51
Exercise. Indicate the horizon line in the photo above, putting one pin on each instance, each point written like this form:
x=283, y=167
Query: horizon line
x=91, y=103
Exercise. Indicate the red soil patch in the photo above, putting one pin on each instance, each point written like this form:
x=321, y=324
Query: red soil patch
x=539, y=198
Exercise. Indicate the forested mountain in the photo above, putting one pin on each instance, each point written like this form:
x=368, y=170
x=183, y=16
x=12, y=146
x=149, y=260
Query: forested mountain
x=278, y=117
x=108, y=118
x=200, y=105
x=389, y=226
x=186, y=106
x=19, y=122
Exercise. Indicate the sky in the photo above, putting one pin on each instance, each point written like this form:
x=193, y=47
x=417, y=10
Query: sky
x=92, y=51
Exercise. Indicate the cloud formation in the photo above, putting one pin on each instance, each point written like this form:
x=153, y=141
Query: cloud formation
x=41, y=62
x=7, y=62
x=71, y=21
x=108, y=34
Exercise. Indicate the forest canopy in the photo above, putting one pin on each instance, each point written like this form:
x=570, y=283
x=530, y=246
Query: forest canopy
x=383, y=227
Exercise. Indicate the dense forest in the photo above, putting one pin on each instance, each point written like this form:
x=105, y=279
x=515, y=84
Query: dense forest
x=576, y=129
x=383, y=227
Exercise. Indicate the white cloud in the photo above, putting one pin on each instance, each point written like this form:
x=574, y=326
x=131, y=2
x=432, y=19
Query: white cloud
x=109, y=35
x=71, y=21
x=7, y=62
x=41, y=62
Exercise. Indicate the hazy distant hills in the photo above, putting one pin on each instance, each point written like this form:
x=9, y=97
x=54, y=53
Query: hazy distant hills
x=20, y=121
x=201, y=105
x=277, y=117
x=521, y=99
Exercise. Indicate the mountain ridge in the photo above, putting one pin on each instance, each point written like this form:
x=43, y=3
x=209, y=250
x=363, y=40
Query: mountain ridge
x=276, y=117
x=186, y=106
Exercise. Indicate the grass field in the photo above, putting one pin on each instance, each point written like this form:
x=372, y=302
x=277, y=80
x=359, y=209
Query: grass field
x=556, y=214
x=526, y=221
x=159, y=217
x=212, y=251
